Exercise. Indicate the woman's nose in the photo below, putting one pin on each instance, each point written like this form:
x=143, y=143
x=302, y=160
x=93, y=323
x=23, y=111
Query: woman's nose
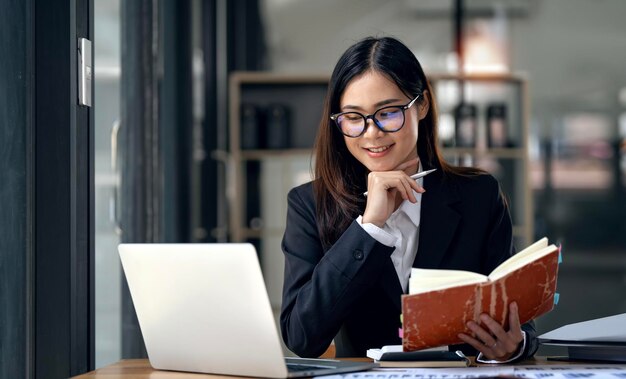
x=371, y=129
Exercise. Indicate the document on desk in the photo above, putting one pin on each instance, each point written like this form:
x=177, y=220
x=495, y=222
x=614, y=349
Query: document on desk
x=531, y=372
x=571, y=371
x=430, y=373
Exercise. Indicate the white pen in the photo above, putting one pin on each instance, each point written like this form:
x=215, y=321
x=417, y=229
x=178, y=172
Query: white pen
x=414, y=176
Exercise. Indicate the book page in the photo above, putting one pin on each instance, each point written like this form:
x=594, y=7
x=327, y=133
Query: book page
x=531, y=253
x=425, y=280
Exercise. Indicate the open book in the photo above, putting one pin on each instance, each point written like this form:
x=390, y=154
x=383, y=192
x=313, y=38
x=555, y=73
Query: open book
x=441, y=302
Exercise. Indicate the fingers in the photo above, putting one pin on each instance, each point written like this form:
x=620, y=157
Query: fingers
x=398, y=180
x=492, y=340
x=410, y=185
x=407, y=192
x=515, y=327
x=505, y=340
x=494, y=327
x=416, y=187
x=487, y=351
x=482, y=334
x=383, y=187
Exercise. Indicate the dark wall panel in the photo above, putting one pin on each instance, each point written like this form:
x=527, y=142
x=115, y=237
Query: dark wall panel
x=15, y=124
x=52, y=175
x=46, y=181
x=63, y=217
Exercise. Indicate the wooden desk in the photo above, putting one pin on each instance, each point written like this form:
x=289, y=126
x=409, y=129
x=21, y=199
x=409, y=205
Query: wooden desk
x=141, y=369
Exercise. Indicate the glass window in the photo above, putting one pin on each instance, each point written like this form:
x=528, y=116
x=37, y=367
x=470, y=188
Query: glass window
x=107, y=113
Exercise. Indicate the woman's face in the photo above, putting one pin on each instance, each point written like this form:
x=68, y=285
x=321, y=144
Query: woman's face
x=375, y=149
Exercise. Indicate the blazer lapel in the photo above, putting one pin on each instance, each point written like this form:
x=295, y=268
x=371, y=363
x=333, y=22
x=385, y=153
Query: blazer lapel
x=438, y=221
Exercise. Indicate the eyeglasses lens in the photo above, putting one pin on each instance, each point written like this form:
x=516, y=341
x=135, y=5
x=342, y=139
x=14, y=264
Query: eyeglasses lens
x=388, y=119
x=351, y=124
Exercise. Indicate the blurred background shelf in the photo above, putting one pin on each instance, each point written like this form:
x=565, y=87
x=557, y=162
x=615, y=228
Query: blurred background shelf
x=513, y=153
x=264, y=154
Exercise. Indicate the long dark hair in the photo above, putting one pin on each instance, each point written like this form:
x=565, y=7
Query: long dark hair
x=341, y=178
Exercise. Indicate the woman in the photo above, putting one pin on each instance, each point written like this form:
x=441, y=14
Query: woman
x=348, y=256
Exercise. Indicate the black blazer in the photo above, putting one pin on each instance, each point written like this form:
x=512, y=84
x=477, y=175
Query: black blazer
x=351, y=292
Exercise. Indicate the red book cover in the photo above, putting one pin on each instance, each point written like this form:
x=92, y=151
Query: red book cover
x=435, y=318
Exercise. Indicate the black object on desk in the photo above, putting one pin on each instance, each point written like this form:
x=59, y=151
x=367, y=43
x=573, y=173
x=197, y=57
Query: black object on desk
x=422, y=359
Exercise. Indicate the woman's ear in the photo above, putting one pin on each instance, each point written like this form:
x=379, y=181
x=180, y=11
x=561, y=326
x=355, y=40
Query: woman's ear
x=423, y=105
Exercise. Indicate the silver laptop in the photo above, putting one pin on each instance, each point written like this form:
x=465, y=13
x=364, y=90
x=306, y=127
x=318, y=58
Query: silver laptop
x=204, y=308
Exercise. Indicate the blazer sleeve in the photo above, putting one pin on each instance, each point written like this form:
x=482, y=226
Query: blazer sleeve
x=320, y=287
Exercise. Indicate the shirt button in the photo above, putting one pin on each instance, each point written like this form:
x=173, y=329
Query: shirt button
x=357, y=254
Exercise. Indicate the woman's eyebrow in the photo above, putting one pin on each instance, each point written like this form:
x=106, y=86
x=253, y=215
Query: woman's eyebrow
x=377, y=105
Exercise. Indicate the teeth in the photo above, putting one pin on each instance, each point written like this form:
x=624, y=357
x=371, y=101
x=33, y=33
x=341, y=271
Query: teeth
x=377, y=149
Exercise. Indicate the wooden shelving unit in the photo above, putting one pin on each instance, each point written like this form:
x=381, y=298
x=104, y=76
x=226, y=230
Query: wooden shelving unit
x=304, y=94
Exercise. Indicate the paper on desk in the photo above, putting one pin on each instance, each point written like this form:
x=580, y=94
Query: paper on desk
x=428, y=373
x=606, y=329
x=533, y=372
x=571, y=371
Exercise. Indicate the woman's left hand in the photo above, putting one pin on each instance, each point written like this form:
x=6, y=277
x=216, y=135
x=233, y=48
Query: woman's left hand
x=496, y=343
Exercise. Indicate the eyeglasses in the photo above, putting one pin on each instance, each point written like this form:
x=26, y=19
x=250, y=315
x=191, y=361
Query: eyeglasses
x=388, y=119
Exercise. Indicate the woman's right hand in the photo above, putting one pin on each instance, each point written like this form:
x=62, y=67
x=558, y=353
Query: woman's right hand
x=383, y=187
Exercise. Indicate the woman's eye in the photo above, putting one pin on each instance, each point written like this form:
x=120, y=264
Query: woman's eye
x=389, y=113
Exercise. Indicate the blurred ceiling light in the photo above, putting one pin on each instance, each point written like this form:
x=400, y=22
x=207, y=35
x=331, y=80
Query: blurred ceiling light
x=486, y=42
x=483, y=55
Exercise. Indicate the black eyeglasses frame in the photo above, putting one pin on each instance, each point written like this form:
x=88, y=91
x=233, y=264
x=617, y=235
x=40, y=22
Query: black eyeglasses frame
x=335, y=117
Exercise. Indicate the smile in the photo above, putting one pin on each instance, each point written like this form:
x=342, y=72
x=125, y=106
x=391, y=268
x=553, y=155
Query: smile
x=377, y=149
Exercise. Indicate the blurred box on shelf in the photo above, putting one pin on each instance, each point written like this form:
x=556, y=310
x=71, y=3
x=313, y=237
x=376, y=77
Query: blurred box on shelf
x=497, y=125
x=278, y=126
x=251, y=126
x=466, y=125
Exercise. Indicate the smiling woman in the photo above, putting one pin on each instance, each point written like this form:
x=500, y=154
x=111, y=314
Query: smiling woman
x=348, y=257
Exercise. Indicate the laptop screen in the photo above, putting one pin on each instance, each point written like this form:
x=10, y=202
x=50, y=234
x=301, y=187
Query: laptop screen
x=203, y=308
